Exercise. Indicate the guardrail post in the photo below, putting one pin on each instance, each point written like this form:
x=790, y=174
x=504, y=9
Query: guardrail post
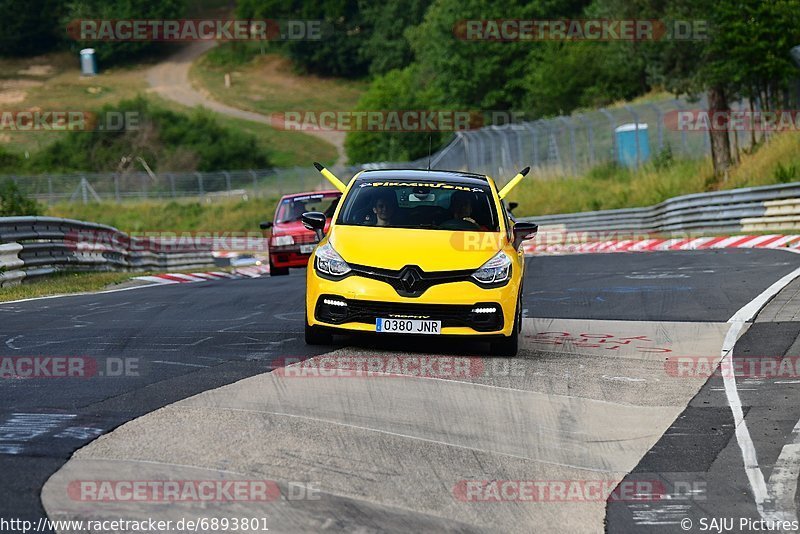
x=227, y=181
x=200, y=183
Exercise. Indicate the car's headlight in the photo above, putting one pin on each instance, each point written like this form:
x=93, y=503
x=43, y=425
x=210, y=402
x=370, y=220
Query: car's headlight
x=494, y=271
x=282, y=240
x=328, y=261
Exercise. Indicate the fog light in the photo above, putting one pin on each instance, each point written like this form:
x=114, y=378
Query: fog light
x=484, y=310
x=331, y=302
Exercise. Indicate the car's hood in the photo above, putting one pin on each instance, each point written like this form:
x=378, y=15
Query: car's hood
x=431, y=250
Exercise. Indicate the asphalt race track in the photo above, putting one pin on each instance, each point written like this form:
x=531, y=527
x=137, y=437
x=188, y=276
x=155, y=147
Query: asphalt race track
x=592, y=397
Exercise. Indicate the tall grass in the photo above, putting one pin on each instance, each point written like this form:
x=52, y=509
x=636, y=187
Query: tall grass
x=221, y=216
x=611, y=186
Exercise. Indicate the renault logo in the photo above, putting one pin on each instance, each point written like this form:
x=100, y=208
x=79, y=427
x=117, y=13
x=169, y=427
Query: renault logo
x=409, y=277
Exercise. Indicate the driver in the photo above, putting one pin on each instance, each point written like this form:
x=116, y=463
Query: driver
x=384, y=208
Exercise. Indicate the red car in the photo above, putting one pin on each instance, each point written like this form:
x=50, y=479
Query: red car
x=291, y=244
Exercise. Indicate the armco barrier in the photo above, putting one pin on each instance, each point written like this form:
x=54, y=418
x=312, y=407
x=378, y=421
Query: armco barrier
x=753, y=209
x=38, y=246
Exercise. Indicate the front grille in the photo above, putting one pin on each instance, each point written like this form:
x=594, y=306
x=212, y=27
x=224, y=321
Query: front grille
x=412, y=281
x=366, y=311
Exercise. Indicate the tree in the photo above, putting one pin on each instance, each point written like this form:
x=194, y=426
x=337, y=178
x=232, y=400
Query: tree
x=396, y=90
x=386, y=47
x=746, y=53
x=28, y=27
x=110, y=52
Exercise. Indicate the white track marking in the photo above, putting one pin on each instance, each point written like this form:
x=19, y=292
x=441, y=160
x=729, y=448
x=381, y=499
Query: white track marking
x=187, y=277
x=783, y=481
x=156, y=280
x=180, y=363
x=761, y=490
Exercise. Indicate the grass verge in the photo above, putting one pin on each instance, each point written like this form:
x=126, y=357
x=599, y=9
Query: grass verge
x=222, y=216
x=64, y=284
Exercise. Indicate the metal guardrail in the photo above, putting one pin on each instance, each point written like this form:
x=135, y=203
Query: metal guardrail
x=766, y=208
x=38, y=246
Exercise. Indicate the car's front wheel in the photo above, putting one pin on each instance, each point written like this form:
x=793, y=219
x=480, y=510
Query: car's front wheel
x=277, y=271
x=316, y=335
x=508, y=346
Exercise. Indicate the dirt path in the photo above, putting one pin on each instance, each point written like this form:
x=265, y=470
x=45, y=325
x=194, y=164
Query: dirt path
x=170, y=79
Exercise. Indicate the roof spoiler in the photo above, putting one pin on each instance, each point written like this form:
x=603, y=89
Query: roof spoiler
x=513, y=183
x=337, y=183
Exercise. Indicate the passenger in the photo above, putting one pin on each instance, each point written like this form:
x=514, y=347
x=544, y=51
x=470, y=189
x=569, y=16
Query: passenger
x=461, y=212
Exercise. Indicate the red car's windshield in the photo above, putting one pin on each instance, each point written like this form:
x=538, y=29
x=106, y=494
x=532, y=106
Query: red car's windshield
x=292, y=208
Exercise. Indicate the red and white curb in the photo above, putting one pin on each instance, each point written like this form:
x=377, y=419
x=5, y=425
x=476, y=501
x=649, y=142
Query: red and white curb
x=654, y=245
x=253, y=272
x=186, y=278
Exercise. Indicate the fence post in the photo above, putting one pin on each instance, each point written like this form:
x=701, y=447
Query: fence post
x=116, y=187
x=573, y=155
x=172, y=184
x=534, y=142
x=590, y=135
x=660, y=124
x=679, y=106
x=613, y=124
x=465, y=140
x=200, y=189
x=50, y=187
x=636, y=130
x=227, y=181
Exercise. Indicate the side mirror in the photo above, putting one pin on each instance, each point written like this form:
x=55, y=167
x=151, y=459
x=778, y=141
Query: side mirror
x=512, y=206
x=266, y=225
x=314, y=220
x=524, y=231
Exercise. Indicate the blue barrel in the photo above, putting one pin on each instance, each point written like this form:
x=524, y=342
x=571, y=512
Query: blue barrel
x=631, y=153
x=88, y=62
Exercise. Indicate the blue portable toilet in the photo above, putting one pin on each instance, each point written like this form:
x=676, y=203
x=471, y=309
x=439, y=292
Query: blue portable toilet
x=88, y=62
x=627, y=135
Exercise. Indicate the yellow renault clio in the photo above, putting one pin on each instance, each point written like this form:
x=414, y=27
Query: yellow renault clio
x=415, y=252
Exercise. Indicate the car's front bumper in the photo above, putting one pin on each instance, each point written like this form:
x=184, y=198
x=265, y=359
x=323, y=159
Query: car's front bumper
x=453, y=303
x=288, y=256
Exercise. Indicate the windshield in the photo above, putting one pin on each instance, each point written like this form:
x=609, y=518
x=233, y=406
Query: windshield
x=433, y=206
x=291, y=209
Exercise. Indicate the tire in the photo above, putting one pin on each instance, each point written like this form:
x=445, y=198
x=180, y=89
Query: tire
x=508, y=346
x=316, y=335
x=278, y=271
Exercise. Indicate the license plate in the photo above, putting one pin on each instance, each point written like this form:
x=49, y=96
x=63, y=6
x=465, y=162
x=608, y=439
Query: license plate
x=307, y=249
x=408, y=326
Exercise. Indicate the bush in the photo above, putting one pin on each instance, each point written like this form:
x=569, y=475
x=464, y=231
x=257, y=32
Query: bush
x=13, y=203
x=166, y=140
